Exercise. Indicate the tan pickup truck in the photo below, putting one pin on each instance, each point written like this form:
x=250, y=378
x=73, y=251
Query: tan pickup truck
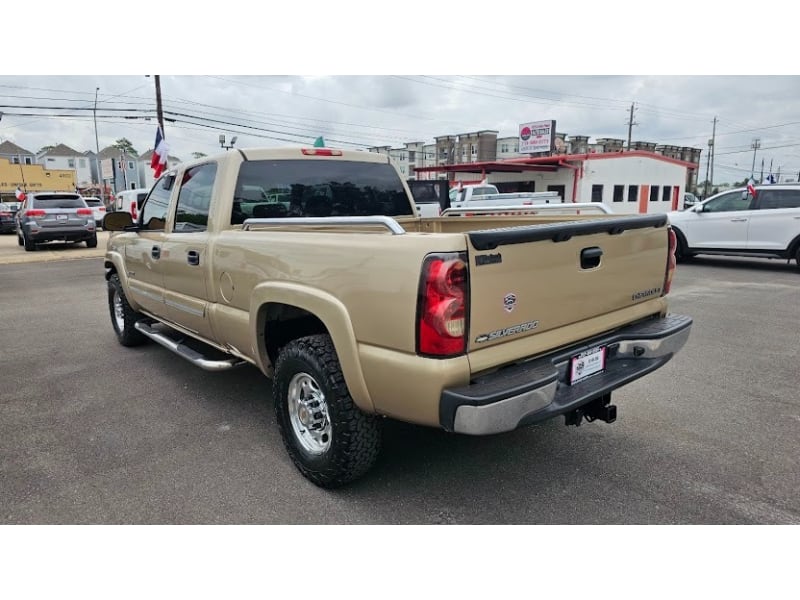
x=312, y=265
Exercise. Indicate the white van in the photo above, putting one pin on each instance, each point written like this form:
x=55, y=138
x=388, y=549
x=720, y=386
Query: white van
x=130, y=201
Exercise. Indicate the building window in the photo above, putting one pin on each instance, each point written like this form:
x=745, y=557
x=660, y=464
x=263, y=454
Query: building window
x=28, y=160
x=516, y=148
x=71, y=163
x=597, y=193
x=130, y=165
x=653, y=193
x=667, y=193
x=412, y=156
x=619, y=191
x=15, y=160
x=82, y=163
x=633, y=193
x=51, y=160
x=463, y=151
x=504, y=148
x=474, y=149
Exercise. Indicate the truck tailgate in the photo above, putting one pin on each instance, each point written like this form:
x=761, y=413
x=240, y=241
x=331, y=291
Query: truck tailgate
x=525, y=280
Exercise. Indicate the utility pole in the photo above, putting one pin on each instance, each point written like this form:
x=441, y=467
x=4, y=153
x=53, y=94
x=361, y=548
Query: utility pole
x=97, y=148
x=630, y=126
x=710, y=161
x=778, y=179
x=762, y=171
x=713, y=150
x=755, y=146
x=159, y=109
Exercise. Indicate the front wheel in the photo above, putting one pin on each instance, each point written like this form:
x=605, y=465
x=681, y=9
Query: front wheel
x=123, y=317
x=682, y=253
x=329, y=439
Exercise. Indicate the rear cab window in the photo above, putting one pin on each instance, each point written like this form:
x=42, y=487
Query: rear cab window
x=318, y=188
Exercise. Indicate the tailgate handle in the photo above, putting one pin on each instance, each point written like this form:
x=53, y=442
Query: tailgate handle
x=590, y=257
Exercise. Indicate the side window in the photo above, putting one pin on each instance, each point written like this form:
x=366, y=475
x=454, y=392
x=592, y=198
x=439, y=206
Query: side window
x=666, y=195
x=772, y=199
x=633, y=193
x=194, y=198
x=154, y=209
x=728, y=202
x=597, y=193
x=653, y=193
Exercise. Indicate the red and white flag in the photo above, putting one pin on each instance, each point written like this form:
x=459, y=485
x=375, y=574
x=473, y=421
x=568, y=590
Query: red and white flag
x=751, y=187
x=20, y=195
x=160, y=149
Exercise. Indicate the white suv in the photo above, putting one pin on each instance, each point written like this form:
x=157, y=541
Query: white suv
x=736, y=223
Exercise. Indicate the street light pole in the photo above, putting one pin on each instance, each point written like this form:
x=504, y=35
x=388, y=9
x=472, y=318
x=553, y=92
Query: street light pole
x=97, y=148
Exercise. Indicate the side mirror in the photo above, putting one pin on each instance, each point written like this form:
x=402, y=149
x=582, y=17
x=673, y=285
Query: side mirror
x=117, y=221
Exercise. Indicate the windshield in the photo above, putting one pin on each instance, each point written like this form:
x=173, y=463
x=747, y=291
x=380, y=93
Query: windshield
x=318, y=188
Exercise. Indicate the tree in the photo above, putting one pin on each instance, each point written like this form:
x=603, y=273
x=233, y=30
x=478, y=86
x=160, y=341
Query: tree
x=198, y=154
x=45, y=149
x=126, y=146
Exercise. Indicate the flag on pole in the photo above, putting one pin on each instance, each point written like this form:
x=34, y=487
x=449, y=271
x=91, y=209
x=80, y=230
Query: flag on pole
x=319, y=142
x=20, y=195
x=769, y=178
x=160, y=150
x=751, y=187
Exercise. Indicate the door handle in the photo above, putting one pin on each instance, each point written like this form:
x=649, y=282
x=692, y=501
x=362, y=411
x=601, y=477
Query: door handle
x=738, y=220
x=156, y=252
x=193, y=257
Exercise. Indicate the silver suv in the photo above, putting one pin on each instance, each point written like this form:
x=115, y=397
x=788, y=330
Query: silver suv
x=48, y=216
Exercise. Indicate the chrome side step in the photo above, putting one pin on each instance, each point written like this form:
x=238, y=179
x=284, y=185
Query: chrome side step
x=182, y=350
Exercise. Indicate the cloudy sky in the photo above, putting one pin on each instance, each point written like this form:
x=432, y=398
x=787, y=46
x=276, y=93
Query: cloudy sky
x=461, y=87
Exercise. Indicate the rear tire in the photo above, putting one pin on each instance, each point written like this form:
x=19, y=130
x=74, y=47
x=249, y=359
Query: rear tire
x=329, y=439
x=30, y=246
x=92, y=242
x=123, y=317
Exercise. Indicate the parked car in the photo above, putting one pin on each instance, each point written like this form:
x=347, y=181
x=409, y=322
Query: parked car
x=98, y=209
x=737, y=223
x=48, y=216
x=6, y=218
x=690, y=200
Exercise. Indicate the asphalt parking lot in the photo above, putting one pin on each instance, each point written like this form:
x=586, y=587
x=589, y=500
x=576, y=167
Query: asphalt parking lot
x=91, y=432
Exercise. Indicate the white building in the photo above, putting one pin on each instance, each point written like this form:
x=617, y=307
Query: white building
x=639, y=181
x=64, y=157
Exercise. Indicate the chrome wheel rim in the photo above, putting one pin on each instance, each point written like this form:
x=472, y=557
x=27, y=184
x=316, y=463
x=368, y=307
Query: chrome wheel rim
x=119, y=312
x=308, y=414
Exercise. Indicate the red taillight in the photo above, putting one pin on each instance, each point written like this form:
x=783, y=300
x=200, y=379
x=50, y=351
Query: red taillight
x=442, y=305
x=102, y=208
x=4, y=213
x=84, y=211
x=671, y=262
x=320, y=152
x=34, y=212
x=133, y=210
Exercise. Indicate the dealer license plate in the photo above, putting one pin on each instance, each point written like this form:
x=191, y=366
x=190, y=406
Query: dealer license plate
x=62, y=217
x=586, y=364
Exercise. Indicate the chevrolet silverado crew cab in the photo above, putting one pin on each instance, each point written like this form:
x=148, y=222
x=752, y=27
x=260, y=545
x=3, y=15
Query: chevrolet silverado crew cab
x=313, y=265
x=738, y=223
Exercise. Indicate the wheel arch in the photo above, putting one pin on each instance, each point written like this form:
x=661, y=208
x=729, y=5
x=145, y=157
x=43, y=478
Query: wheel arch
x=281, y=312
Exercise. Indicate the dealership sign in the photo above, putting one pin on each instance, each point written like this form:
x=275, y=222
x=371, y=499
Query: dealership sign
x=538, y=136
